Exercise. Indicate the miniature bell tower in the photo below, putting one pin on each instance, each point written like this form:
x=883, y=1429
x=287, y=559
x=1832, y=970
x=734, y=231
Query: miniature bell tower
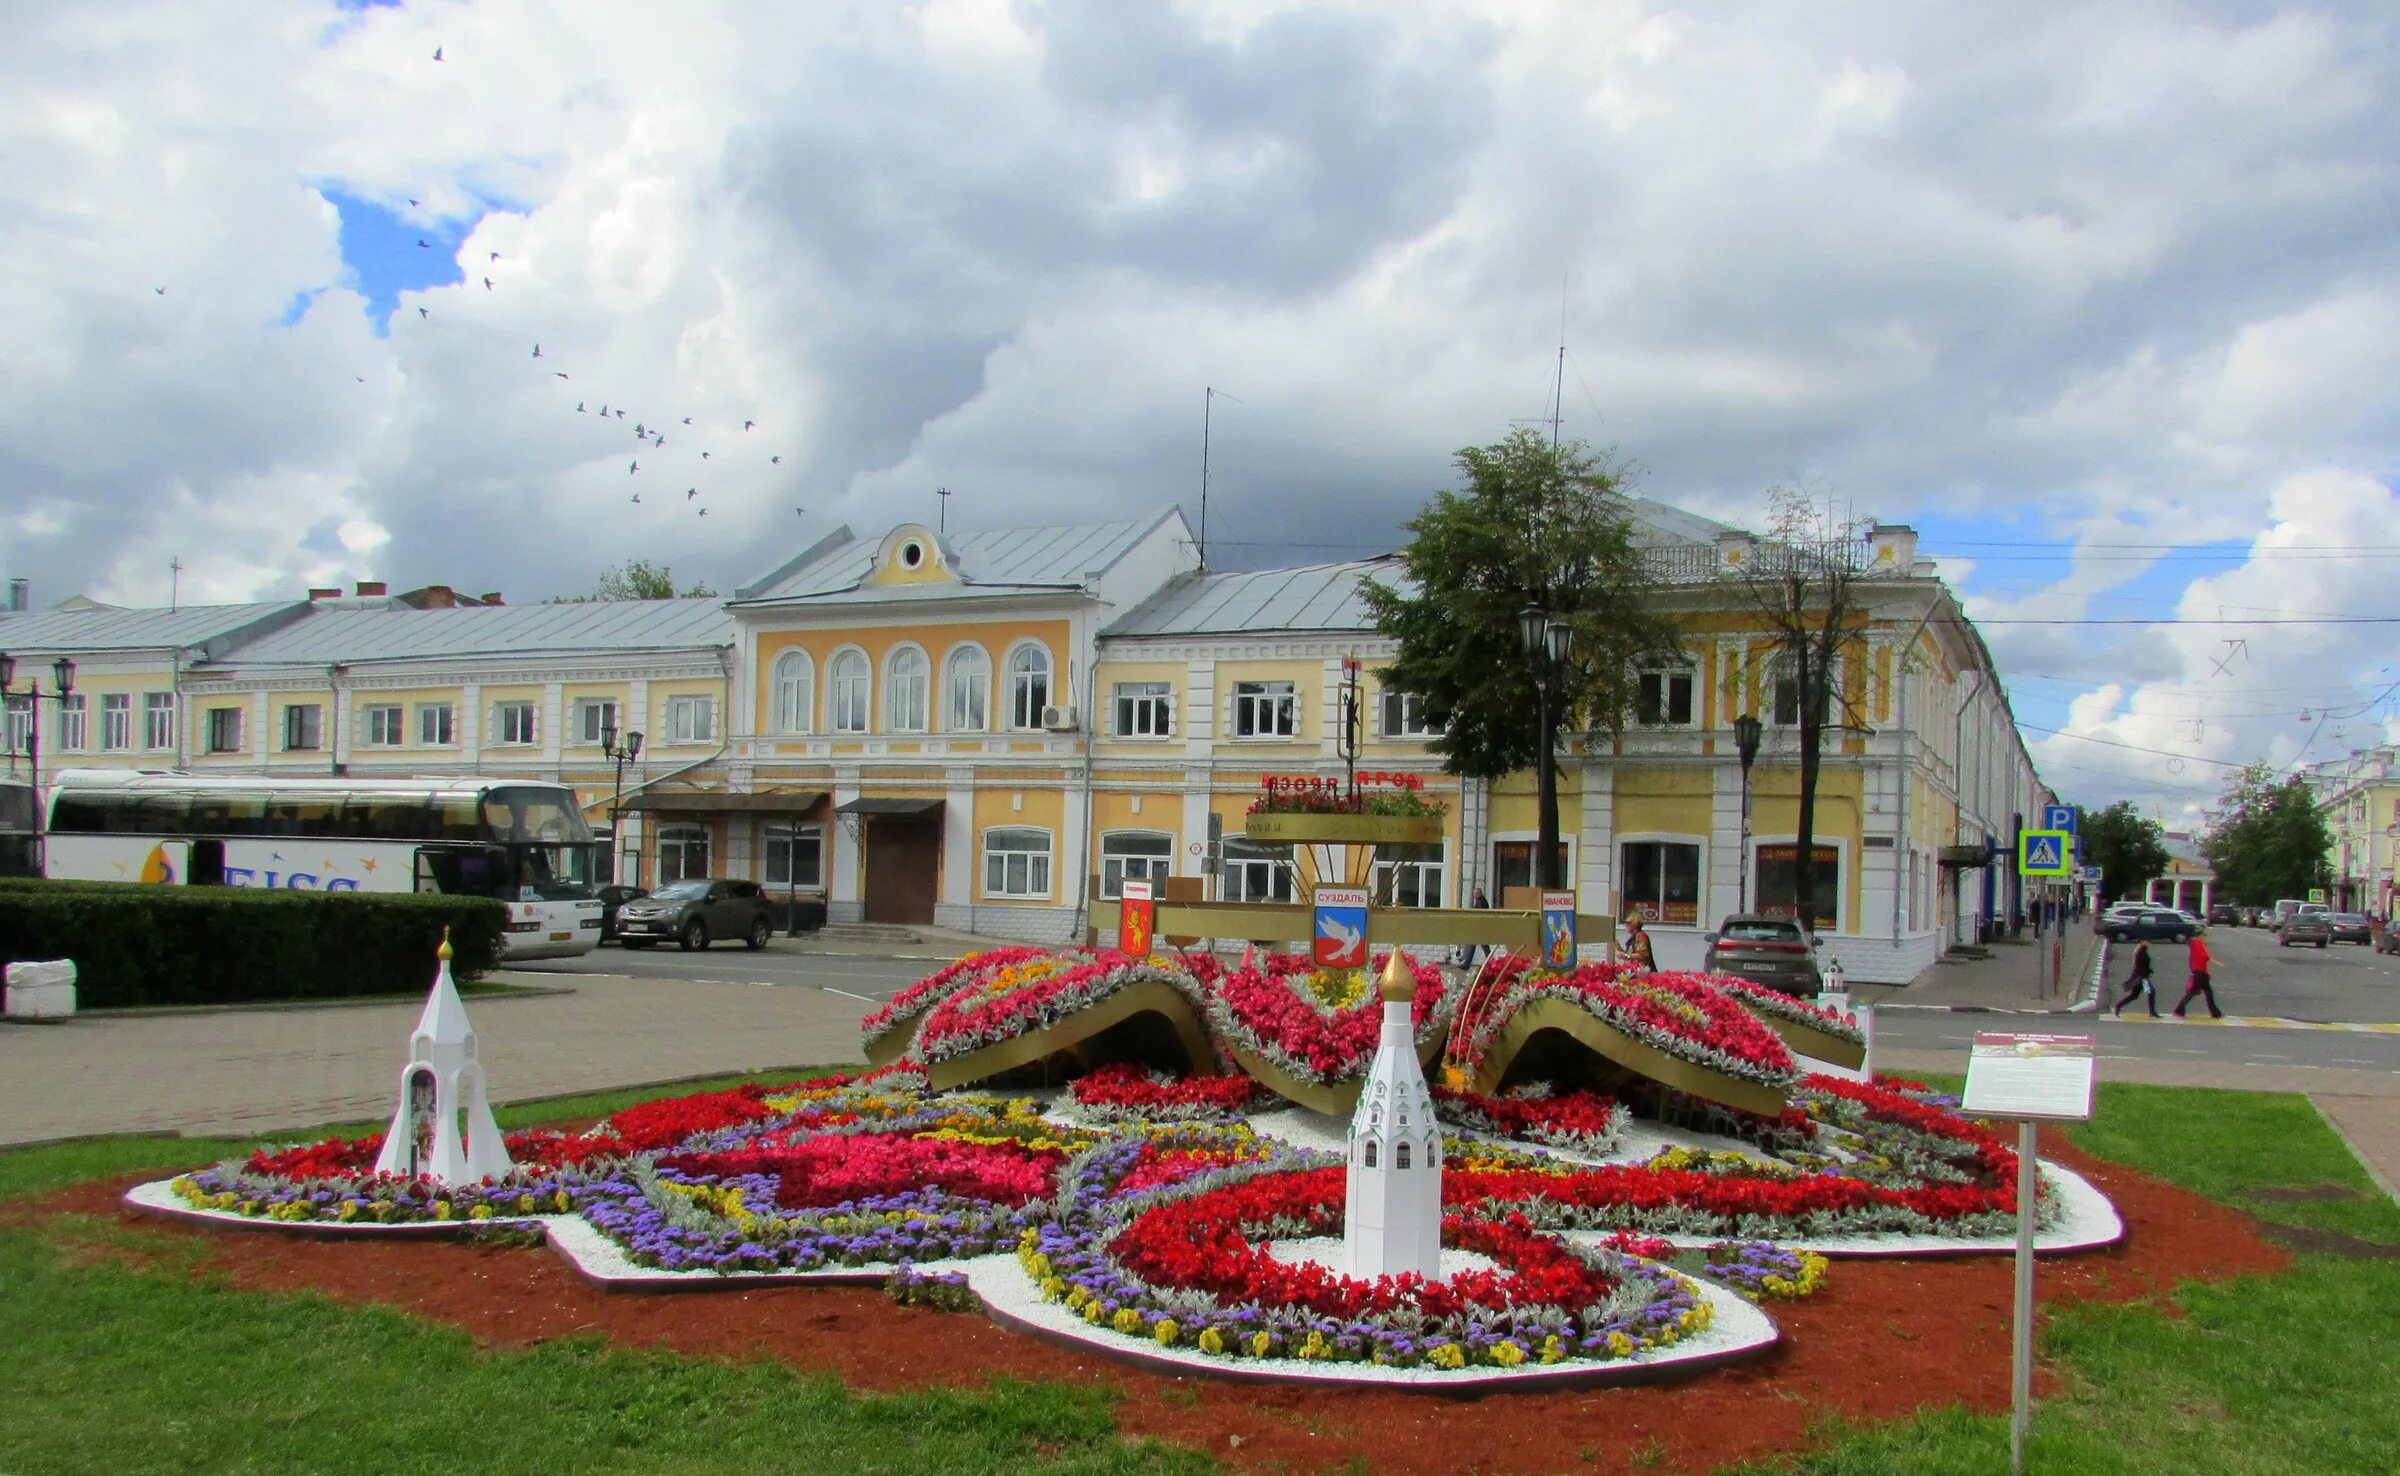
x=441, y=1087
x=1392, y=1207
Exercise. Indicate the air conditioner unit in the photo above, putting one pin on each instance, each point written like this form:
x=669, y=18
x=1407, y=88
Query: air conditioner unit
x=1059, y=719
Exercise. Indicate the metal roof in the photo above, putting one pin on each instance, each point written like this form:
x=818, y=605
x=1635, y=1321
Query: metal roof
x=1311, y=597
x=320, y=637
x=1656, y=522
x=1001, y=560
x=87, y=631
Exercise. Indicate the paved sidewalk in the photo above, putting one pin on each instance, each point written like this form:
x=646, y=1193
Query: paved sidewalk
x=2008, y=980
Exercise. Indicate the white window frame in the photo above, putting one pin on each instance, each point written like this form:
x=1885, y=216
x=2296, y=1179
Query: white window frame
x=1152, y=866
x=1401, y=714
x=1668, y=672
x=849, y=691
x=1431, y=877
x=73, y=723
x=777, y=842
x=219, y=719
x=967, y=684
x=795, y=688
x=1626, y=902
x=507, y=732
x=678, y=840
x=116, y=722
x=158, y=721
x=1031, y=676
x=437, y=725
x=1143, y=709
x=1034, y=880
x=907, y=689
x=20, y=723
x=1238, y=881
x=311, y=727
x=1262, y=713
x=691, y=718
x=390, y=718
x=589, y=720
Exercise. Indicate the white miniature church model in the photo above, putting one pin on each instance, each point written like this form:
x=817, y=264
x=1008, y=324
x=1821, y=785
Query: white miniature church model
x=444, y=1129
x=1392, y=1211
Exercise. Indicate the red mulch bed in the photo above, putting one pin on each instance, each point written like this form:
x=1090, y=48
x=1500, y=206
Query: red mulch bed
x=1883, y=1339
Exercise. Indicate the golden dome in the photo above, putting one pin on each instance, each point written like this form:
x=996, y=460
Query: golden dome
x=1399, y=981
x=443, y=952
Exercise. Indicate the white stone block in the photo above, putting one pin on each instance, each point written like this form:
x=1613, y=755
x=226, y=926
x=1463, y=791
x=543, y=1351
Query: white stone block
x=41, y=991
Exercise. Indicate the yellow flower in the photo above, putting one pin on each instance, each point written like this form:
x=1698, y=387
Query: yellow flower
x=480, y=1212
x=1076, y=1299
x=1448, y=1355
x=1552, y=1349
x=560, y=1200
x=524, y=1204
x=1620, y=1345
x=1508, y=1353
x=1165, y=1332
x=1126, y=1321
x=348, y=1211
x=441, y=1209
x=1315, y=1346
x=1211, y=1341
x=1260, y=1342
x=1092, y=1311
x=1053, y=1287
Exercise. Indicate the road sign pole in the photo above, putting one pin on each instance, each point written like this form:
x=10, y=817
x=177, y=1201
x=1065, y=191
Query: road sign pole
x=2020, y=1418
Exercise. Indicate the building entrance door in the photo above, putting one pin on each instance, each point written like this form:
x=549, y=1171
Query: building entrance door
x=903, y=867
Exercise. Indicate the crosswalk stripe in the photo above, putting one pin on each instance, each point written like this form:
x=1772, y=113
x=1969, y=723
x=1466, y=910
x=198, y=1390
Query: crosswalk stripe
x=2268, y=1022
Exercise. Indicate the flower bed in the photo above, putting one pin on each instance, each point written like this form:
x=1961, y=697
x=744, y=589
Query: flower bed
x=1683, y=1016
x=1317, y=1025
x=1033, y=993
x=1123, y=1092
x=1580, y=1121
x=885, y=1030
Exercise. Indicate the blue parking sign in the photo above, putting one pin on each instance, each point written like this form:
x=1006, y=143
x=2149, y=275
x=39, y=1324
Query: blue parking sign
x=2058, y=817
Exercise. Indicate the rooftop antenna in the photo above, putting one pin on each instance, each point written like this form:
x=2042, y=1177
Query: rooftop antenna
x=1558, y=382
x=175, y=582
x=1208, y=403
x=942, y=527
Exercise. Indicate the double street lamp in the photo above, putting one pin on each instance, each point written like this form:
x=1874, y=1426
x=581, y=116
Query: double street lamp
x=62, y=674
x=1548, y=644
x=619, y=754
x=1746, y=733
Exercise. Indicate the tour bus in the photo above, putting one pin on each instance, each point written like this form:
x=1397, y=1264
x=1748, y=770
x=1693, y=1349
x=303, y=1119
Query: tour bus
x=16, y=826
x=524, y=843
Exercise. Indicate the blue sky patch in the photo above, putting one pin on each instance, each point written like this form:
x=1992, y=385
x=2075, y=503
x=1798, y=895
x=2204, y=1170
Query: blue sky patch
x=380, y=247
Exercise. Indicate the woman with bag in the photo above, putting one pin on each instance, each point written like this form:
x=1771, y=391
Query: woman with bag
x=2139, y=983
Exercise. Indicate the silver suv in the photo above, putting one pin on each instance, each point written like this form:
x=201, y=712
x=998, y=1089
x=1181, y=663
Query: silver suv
x=2309, y=923
x=1765, y=948
x=696, y=912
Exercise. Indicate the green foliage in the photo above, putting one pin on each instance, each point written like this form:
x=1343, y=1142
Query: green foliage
x=639, y=579
x=137, y=944
x=2129, y=848
x=1534, y=525
x=2269, y=841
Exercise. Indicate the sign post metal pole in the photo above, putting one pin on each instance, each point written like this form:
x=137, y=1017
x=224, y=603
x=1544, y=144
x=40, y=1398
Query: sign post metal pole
x=2020, y=1417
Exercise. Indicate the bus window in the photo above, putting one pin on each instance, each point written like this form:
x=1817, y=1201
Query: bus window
x=228, y=814
x=456, y=817
x=387, y=817
x=535, y=815
x=461, y=873
x=295, y=812
x=161, y=814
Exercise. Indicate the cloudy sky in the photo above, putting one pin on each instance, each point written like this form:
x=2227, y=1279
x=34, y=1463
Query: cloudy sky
x=2103, y=299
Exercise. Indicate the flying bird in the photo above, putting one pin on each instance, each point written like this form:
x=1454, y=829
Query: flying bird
x=421, y=241
x=690, y=492
x=633, y=467
x=413, y=204
x=687, y=420
x=604, y=409
x=658, y=440
x=537, y=350
x=704, y=512
x=579, y=407
x=637, y=496
x=424, y=313
x=437, y=53
x=495, y=256
x=620, y=415
x=704, y=456
x=748, y=423
x=361, y=378
x=561, y=373
x=487, y=284
x=775, y=460
x=161, y=291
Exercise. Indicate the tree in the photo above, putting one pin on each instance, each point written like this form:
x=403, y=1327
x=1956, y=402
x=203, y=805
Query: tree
x=1802, y=583
x=2129, y=848
x=1532, y=524
x=638, y=580
x=2269, y=839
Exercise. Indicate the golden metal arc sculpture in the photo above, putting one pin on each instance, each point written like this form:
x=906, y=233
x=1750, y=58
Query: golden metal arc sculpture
x=1142, y=997
x=1603, y=1039
x=1806, y=1040
x=1333, y=1098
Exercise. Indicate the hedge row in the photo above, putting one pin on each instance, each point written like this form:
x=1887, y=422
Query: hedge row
x=136, y=943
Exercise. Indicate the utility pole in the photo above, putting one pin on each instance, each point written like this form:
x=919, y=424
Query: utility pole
x=942, y=527
x=175, y=582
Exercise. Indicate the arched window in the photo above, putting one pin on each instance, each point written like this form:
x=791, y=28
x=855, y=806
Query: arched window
x=795, y=692
x=847, y=705
x=1370, y=1163
x=1400, y=1156
x=970, y=687
x=1028, y=686
x=904, y=690
x=682, y=852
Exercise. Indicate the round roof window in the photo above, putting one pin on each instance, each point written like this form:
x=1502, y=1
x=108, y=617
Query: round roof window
x=912, y=553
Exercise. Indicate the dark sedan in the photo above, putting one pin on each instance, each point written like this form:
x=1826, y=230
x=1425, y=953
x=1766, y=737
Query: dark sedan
x=612, y=897
x=2351, y=927
x=2148, y=925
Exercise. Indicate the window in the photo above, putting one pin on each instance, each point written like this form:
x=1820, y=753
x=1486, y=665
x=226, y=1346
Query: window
x=592, y=720
x=1776, y=890
x=1408, y=876
x=1400, y=1157
x=1016, y=862
x=513, y=723
x=849, y=696
x=1662, y=882
x=1255, y=873
x=71, y=723
x=905, y=690
x=303, y=727
x=158, y=720
x=691, y=719
x=682, y=852
x=437, y=724
x=1028, y=686
x=224, y=730
x=1143, y=710
x=1370, y=1154
x=1512, y=864
x=1265, y=710
x=20, y=724
x=1404, y=716
x=384, y=726
x=970, y=685
x=116, y=720
x=795, y=692
x=1663, y=694
x=1141, y=855
x=1784, y=689
x=795, y=855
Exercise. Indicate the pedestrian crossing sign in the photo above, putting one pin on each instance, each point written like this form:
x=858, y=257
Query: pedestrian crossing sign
x=2046, y=853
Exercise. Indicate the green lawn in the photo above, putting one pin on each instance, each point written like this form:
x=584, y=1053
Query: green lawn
x=156, y=1369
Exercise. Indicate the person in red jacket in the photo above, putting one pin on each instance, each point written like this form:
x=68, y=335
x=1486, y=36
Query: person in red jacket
x=2199, y=984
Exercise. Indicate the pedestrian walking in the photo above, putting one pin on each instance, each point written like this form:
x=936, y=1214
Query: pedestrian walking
x=1637, y=945
x=2139, y=984
x=2199, y=984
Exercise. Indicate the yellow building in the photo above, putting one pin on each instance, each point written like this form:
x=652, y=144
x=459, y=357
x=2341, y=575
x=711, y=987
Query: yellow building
x=2360, y=798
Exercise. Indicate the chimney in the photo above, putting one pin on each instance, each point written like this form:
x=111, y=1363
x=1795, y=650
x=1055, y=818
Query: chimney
x=324, y=592
x=1893, y=548
x=434, y=597
x=368, y=587
x=20, y=595
x=492, y=598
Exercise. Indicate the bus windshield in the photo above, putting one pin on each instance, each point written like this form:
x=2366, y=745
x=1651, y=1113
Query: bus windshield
x=16, y=806
x=553, y=873
x=545, y=816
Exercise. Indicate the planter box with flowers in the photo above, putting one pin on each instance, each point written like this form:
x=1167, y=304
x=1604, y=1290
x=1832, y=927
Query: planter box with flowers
x=1385, y=809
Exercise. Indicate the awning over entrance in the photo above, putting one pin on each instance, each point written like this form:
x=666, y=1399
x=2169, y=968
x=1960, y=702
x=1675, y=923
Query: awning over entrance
x=716, y=802
x=869, y=805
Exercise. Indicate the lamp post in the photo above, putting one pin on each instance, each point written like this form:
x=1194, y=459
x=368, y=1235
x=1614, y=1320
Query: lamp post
x=62, y=675
x=1746, y=732
x=620, y=754
x=1548, y=643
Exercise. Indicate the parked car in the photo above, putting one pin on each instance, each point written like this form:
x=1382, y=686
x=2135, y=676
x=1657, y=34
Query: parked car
x=696, y=912
x=2226, y=913
x=2306, y=925
x=2147, y=925
x=1765, y=948
x=2350, y=927
x=612, y=897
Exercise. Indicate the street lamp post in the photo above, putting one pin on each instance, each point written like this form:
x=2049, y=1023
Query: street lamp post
x=1746, y=732
x=620, y=754
x=1548, y=643
x=62, y=675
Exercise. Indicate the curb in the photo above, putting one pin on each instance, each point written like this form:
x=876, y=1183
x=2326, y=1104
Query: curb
x=277, y=1006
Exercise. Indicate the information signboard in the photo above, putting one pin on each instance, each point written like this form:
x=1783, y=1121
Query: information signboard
x=2030, y=1076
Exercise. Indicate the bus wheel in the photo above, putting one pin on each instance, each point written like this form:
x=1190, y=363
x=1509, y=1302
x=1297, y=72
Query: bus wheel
x=758, y=935
x=695, y=935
